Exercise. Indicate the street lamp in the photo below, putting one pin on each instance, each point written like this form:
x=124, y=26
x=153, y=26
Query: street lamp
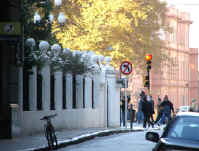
x=56, y=49
x=66, y=51
x=108, y=60
x=37, y=18
x=30, y=42
x=44, y=46
x=61, y=17
x=51, y=18
x=58, y=2
x=100, y=60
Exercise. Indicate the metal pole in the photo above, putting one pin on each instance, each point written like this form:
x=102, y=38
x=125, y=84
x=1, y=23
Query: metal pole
x=120, y=105
x=132, y=116
x=107, y=89
x=126, y=103
x=148, y=73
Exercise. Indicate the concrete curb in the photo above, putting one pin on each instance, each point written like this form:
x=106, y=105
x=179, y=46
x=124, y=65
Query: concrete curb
x=83, y=138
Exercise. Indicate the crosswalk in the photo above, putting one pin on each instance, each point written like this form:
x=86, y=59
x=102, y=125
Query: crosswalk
x=137, y=126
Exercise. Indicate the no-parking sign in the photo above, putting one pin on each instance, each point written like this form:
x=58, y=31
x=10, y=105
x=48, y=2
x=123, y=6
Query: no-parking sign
x=126, y=67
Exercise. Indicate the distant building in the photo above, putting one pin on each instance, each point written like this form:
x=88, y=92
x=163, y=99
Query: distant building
x=11, y=54
x=179, y=80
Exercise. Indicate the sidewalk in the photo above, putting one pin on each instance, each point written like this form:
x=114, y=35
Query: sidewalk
x=65, y=137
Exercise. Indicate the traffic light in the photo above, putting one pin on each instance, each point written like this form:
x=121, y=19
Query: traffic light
x=148, y=59
x=147, y=82
x=148, y=63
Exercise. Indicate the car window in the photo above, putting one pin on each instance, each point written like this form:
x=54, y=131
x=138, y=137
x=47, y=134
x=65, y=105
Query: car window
x=185, y=127
x=184, y=108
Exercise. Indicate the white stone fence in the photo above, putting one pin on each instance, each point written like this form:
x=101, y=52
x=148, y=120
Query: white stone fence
x=60, y=91
x=79, y=101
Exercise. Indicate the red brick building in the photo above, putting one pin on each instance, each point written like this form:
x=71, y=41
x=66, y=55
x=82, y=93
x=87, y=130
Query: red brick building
x=178, y=80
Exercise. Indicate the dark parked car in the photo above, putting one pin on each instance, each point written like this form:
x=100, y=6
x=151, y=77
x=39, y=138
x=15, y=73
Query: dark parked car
x=182, y=133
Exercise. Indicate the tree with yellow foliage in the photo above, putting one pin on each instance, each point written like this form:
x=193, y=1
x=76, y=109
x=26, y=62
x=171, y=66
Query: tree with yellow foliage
x=122, y=29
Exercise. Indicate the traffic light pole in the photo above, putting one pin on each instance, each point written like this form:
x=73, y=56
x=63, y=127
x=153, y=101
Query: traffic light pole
x=148, y=58
x=148, y=74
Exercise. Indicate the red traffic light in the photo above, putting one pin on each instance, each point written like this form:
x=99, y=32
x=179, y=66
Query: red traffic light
x=148, y=57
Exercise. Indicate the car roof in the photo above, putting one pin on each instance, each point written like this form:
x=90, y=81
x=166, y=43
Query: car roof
x=188, y=114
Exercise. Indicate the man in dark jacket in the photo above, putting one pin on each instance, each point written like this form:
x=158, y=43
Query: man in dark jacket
x=146, y=109
x=167, y=107
x=123, y=110
x=159, y=110
x=140, y=115
x=151, y=107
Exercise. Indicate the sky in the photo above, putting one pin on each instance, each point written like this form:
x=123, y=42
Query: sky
x=191, y=6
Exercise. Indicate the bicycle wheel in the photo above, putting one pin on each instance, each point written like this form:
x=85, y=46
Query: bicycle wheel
x=53, y=138
x=49, y=138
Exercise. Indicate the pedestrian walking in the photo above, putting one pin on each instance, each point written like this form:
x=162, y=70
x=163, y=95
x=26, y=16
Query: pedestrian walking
x=131, y=111
x=152, y=108
x=140, y=116
x=167, y=109
x=123, y=110
x=146, y=108
x=159, y=110
x=194, y=106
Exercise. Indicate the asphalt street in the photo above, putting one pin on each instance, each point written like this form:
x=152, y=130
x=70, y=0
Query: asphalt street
x=133, y=141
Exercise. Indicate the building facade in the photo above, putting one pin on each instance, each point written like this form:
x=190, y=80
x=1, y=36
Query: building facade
x=10, y=53
x=177, y=79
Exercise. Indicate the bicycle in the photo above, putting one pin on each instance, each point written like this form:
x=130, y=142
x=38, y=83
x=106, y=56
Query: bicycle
x=50, y=131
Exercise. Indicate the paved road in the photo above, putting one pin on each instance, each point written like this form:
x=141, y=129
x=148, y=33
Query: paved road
x=134, y=141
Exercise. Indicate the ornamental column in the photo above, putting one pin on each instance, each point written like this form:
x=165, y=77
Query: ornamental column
x=45, y=71
x=69, y=91
x=58, y=90
x=113, y=100
x=88, y=92
x=96, y=90
x=113, y=96
x=79, y=91
x=20, y=88
x=33, y=89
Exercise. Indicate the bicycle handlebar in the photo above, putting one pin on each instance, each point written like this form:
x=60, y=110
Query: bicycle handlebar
x=48, y=117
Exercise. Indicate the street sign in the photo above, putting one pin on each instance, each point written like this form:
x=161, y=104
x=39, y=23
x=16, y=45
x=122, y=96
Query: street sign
x=126, y=67
x=10, y=28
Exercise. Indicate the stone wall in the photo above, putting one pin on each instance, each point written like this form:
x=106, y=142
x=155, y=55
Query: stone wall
x=96, y=101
